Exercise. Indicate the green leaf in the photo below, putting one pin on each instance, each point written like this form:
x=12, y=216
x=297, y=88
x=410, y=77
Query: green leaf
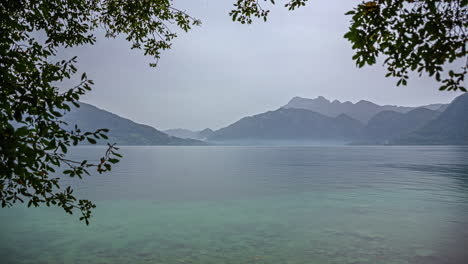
x=22, y=131
x=113, y=161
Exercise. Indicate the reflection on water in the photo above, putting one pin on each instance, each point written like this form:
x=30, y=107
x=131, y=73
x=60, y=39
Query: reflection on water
x=346, y=204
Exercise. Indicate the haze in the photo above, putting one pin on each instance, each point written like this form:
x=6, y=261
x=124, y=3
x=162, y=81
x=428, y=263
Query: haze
x=223, y=71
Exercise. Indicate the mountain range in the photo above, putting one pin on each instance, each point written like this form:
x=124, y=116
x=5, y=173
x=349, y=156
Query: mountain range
x=360, y=123
x=121, y=130
x=186, y=133
x=291, y=123
x=300, y=120
x=450, y=127
x=388, y=125
x=362, y=110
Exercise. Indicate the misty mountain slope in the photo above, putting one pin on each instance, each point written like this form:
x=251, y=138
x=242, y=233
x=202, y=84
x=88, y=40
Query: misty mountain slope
x=182, y=133
x=291, y=124
x=205, y=133
x=451, y=127
x=388, y=125
x=187, y=133
x=362, y=110
x=436, y=107
x=122, y=131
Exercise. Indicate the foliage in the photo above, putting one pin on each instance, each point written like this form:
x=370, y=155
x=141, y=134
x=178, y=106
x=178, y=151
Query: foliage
x=424, y=36
x=421, y=36
x=33, y=138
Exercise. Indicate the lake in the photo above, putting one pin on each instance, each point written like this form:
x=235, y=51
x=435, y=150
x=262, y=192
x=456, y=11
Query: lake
x=291, y=205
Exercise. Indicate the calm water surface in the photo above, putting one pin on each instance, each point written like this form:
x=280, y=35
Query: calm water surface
x=291, y=205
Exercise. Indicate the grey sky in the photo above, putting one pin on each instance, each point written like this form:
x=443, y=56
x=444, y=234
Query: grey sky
x=223, y=71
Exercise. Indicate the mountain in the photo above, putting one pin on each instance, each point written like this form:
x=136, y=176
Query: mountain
x=450, y=127
x=381, y=126
x=436, y=107
x=205, y=133
x=362, y=110
x=182, y=133
x=122, y=131
x=291, y=124
x=388, y=125
x=432, y=124
x=186, y=133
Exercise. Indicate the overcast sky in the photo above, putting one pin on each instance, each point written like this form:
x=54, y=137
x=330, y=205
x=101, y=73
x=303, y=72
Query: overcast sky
x=222, y=71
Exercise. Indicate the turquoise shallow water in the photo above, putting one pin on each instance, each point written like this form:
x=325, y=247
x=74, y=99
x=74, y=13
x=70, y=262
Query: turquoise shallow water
x=337, y=204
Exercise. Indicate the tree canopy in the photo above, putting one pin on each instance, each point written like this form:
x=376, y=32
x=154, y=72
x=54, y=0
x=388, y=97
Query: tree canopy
x=33, y=139
x=424, y=36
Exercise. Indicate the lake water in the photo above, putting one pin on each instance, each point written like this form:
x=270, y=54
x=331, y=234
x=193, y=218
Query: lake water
x=291, y=205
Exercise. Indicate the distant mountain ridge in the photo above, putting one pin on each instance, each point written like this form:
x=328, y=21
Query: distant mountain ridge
x=362, y=110
x=182, y=133
x=388, y=125
x=121, y=130
x=187, y=133
x=431, y=124
x=205, y=133
x=291, y=123
x=449, y=128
